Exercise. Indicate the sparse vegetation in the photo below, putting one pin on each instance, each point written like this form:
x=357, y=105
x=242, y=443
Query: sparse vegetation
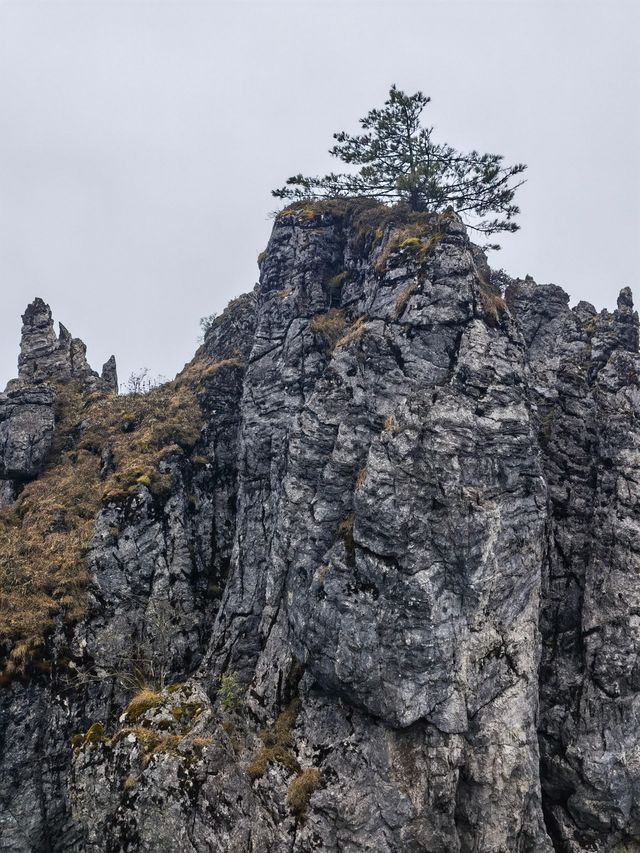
x=142, y=702
x=345, y=532
x=329, y=326
x=301, y=788
x=94, y=734
x=277, y=741
x=492, y=302
x=356, y=331
x=399, y=161
x=105, y=449
x=335, y=282
x=413, y=236
x=230, y=692
x=403, y=299
x=546, y=425
x=206, y=323
x=156, y=734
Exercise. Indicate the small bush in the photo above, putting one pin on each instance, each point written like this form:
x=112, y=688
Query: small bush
x=301, y=789
x=230, y=693
x=206, y=323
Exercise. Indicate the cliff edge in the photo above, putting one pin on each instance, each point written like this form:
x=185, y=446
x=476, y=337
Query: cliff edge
x=363, y=577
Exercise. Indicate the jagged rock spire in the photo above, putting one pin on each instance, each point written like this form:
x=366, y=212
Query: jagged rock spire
x=47, y=357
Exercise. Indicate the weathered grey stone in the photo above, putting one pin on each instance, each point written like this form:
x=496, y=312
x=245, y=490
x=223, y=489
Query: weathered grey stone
x=417, y=532
x=26, y=431
x=45, y=357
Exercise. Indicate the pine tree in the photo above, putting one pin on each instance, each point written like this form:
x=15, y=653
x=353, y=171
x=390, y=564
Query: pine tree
x=400, y=162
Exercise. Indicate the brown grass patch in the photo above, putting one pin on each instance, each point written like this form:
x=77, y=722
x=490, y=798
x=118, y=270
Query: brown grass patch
x=356, y=331
x=329, y=326
x=142, y=702
x=46, y=534
x=492, y=302
x=277, y=741
x=345, y=532
x=415, y=241
x=403, y=299
x=301, y=789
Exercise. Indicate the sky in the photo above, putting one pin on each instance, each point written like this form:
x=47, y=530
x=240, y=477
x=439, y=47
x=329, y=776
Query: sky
x=139, y=143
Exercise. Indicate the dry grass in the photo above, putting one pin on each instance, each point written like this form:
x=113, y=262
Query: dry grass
x=311, y=209
x=356, y=331
x=335, y=282
x=492, y=302
x=142, y=702
x=389, y=424
x=329, y=326
x=301, y=789
x=46, y=534
x=415, y=241
x=130, y=782
x=403, y=299
x=277, y=741
x=362, y=476
x=345, y=532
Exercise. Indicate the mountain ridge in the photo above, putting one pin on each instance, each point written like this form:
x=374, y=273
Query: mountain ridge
x=372, y=555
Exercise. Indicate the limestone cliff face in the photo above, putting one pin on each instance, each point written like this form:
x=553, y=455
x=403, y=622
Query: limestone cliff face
x=373, y=556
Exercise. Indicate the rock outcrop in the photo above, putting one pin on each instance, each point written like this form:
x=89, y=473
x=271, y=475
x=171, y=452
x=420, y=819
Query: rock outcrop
x=46, y=357
x=27, y=407
x=363, y=577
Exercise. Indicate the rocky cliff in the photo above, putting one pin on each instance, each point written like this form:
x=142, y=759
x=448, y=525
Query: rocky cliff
x=364, y=577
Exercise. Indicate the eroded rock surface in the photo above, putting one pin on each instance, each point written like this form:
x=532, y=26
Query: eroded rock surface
x=391, y=596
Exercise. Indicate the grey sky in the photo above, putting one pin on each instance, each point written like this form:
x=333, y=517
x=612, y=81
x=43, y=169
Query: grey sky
x=139, y=142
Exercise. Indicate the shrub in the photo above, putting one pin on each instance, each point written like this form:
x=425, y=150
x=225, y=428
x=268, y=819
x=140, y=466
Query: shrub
x=230, y=693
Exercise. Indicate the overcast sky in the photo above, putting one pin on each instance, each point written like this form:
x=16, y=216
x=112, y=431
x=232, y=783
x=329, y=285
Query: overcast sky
x=139, y=142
